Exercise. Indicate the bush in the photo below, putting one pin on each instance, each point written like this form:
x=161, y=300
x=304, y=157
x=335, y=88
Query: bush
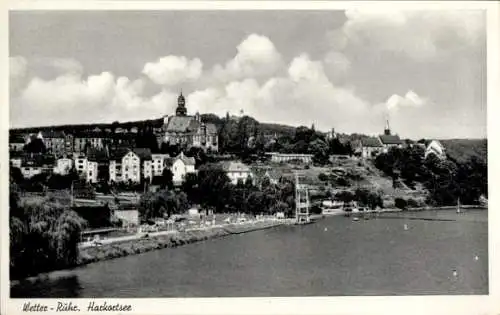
x=400, y=203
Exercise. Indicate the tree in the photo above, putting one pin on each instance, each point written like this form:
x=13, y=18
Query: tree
x=44, y=236
x=36, y=146
x=167, y=178
x=345, y=196
x=319, y=149
x=213, y=186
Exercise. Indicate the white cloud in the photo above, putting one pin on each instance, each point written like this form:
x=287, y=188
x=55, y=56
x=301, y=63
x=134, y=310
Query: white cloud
x=420, y=35
x=256, y=57
x=173, y=70
x=72, y=99
x=411, y=99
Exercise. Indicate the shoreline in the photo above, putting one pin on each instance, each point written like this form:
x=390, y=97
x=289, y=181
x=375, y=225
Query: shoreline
x=88, y=255
x=126, y=248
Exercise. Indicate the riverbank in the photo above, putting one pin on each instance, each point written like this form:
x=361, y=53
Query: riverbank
x=127, y=247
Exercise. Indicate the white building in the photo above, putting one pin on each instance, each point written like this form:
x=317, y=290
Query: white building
x=131, y=165
x=92, y=172
x=63, y=166
x=237, y=171
x=81, y=164
x=181, y=166
x=147, y=169
x=389, y=140
x=371, y=147
x=159, y=162
x=288, y=157
x=29, y=171
x=16, y=162
x=435, y=147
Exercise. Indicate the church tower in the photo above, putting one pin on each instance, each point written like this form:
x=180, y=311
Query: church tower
x=387, y=130
x=181, y=106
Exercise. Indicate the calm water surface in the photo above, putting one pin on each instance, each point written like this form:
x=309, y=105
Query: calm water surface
x=334, y=256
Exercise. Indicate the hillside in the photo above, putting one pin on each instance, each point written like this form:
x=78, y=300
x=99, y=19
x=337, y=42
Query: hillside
x=463, y=149
x=458, y=149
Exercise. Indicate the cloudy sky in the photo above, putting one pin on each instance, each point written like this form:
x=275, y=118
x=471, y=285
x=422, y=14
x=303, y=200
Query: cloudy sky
x=424, y=70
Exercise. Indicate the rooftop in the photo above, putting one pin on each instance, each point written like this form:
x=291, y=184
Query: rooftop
x=390, y=139
x=371, y=142
x=185, y=159
x=234, y=166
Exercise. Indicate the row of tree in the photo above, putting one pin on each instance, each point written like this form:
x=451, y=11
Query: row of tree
x=446, y=180
x=212, y=190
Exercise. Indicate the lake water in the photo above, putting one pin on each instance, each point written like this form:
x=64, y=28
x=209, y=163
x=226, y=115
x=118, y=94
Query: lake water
x=439, y=252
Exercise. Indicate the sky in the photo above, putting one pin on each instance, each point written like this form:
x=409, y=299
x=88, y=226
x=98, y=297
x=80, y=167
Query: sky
x=424, y=71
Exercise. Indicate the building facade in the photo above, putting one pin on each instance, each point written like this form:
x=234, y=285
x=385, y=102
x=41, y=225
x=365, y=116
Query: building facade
x=189, y=131
x=289, y=157
x=92, y=171
x=55, y=142
x=181, y=166
x=389, y=140
x=159, y=163
x=371, y=147
x=63, y=166
x=435, y=148
x=237, y=171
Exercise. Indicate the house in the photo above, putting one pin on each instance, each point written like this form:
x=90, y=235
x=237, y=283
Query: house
x=237, y=171
x=181, y=166
x=389, y=140
x=79, y=142
x=69, y=143
x=131, y=166
x=370, y=147
x=115, y=164
x=159, y=162
x=92, y=171
x=133, y=130
x=55, y=142
x=63, y=166
x=189, y=131
x=35, y=165
x=289, y=157
x=98, y=165
x=262, y=174
x=435, y=148
x=81, y=163
x=16, y=142
x=16, y=161
x=29, y=170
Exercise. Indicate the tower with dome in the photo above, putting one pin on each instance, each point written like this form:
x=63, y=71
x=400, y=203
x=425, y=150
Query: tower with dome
x=189, y=131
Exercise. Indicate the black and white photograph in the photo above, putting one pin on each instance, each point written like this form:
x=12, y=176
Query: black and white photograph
x=247, y=153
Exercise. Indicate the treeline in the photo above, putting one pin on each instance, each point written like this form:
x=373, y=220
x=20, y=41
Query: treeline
x=44, y=235
x=446, y=180
x=212, y=190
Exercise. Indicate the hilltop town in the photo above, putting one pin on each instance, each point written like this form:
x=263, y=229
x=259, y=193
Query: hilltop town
x=122, y=178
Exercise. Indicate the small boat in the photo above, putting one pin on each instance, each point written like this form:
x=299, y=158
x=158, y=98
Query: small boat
x=355, y=219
